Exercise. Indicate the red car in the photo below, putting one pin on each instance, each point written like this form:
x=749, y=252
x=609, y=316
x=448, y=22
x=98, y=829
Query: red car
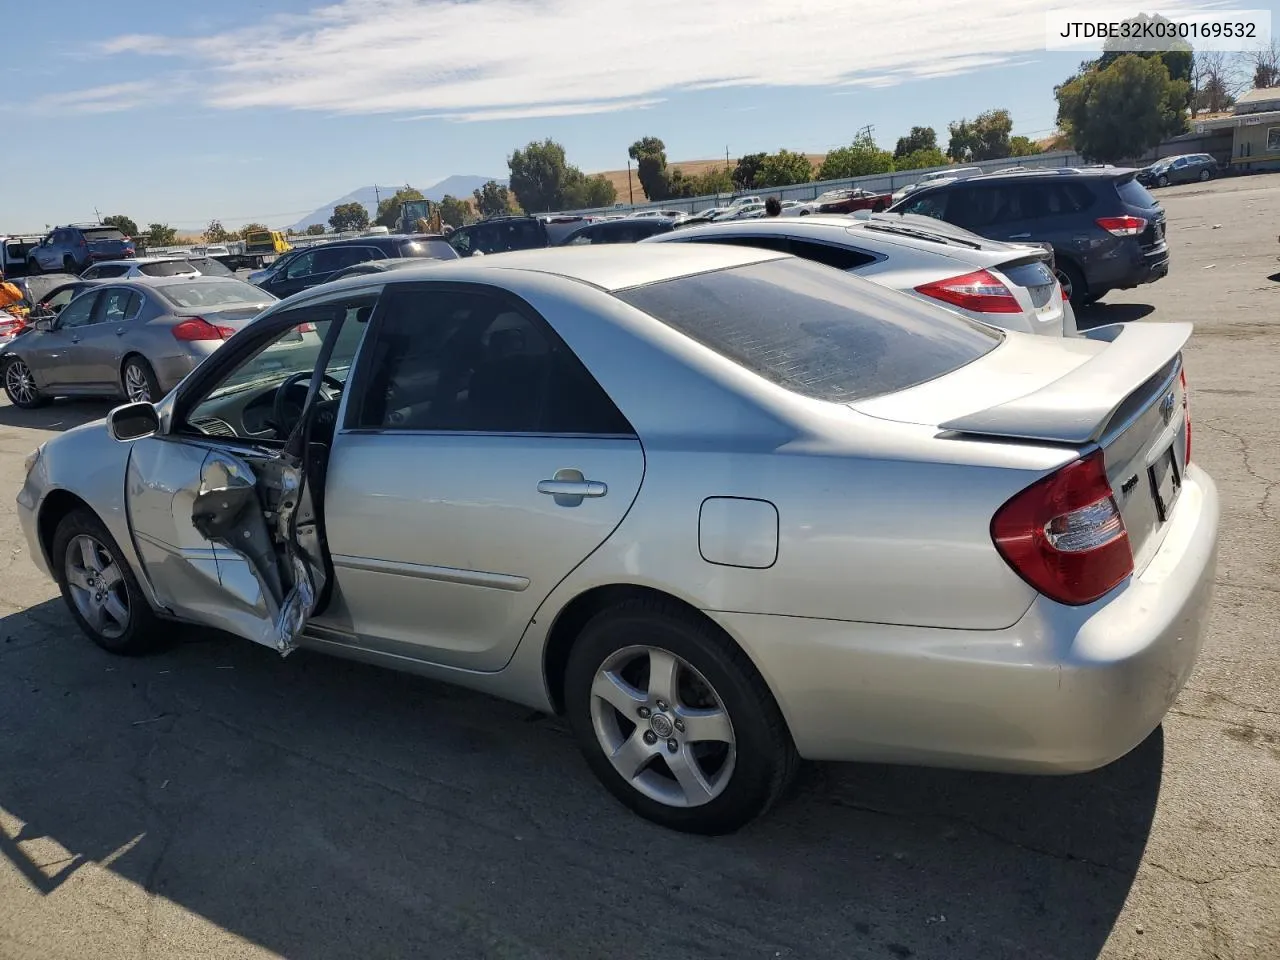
x=849, y=200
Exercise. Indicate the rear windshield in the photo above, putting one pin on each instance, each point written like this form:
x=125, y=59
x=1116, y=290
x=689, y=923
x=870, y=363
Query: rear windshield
x=437, y=249
x=1134, y=193
x=210, y=267
x=816, y=331
x=167, y=268
x=106, y=233
x=207, y=293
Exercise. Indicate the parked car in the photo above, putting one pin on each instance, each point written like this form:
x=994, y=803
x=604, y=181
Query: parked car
x=193, y=266
x=618, y=231
x=379, y=266
x=506, y=234
x=709, y=579
x=850, y=200
x=1188, y=168
x=257, y=276
x=318, y=264
x=936, y=176
x=14, y=253
x=74, y=248
x=1106, y=230
x=126, y=338
x=1006, y=285
x=44, y=295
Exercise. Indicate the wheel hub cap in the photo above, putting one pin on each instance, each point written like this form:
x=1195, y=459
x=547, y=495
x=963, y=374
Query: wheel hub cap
x=662, y=725
x=96, y=587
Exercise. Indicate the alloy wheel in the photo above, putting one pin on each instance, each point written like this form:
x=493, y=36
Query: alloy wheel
x=1064, y=281
x=662, y=726
x=135, y=384
x=97, y=586
x=20, y=382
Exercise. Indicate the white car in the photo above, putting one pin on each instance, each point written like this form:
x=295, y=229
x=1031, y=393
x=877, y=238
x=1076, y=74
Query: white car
x=1005, y=285
x=192, y=266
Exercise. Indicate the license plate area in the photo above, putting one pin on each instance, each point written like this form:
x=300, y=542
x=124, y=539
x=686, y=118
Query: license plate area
x=1166, y=483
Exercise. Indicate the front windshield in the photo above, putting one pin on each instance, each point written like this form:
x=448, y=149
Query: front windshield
x=213, y=293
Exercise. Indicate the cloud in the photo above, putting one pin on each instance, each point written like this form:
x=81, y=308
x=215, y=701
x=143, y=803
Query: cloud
x=484, y=60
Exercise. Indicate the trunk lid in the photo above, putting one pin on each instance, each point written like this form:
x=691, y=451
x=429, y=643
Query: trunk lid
x=108, y=245
x=1117, y=387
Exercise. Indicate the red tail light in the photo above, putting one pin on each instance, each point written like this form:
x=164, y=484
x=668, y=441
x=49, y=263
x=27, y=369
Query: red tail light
x=198, y=328
x=306, y=328
x=980, y=292
x=1186, y=412
x=1064, y=534
x=1123, y=226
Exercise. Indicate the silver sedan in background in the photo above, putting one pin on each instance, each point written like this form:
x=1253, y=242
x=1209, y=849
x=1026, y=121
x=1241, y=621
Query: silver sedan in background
x=722, y=507
x=126, y=338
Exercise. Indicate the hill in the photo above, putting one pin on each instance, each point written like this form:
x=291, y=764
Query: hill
x=457, y=186
x=690, y=167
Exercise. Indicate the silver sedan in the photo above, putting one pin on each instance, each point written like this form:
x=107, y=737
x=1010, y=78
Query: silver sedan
x=722, y=508
x=126, y=338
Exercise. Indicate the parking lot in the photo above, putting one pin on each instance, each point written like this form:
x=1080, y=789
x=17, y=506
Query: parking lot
x=216, y=801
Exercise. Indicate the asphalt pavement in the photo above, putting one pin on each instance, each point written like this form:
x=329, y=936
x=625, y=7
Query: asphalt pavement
x=216, y=801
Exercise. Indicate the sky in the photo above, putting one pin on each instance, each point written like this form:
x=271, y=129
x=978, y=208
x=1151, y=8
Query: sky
x=264, y=110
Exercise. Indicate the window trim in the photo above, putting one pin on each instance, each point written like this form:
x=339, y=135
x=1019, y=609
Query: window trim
x=362, y=373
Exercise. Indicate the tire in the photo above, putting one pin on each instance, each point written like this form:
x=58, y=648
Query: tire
x=69, y=266
x=20, y=385
x=741, y=776
x=1073, y=283
x=1163, y=181
x=138, y=381
x=1205, y=176
x=82, y=586
x=33, y=268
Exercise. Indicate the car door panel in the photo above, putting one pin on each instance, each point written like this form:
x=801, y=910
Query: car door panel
x=55, y=357
x=443, y=546
x=98, y=354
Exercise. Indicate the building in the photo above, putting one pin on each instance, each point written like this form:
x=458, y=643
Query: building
x=1255, y=130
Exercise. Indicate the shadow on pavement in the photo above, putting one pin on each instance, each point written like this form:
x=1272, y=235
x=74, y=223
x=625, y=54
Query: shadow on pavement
x=58, y=415
x=1100, y=314
x=327, y=809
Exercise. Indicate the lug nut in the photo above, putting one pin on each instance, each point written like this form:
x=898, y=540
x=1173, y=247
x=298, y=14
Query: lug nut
x=672, y=746
x=661, y=705
x=650, y=737
x=645, y=713
x=679, y=724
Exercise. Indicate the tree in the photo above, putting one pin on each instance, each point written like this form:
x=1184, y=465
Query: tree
x=650, y=155
x=388, y=214
x=714, y=180
x=784, y=168
x=248, y=228
x=1216, y=81
x=161, y=235
x=215, y=232
x=748, y=168
x=986, y=138
x=1022, y=147
x=493, y=200
x=349, y=216
x=123, y=224
x=315, y=230
x=539, y=175
x=921, y=160
x=1264, y=65
x=1119, y=112
x=588, y=193
x=455, y=212
x=920, y=138
x=859, y=159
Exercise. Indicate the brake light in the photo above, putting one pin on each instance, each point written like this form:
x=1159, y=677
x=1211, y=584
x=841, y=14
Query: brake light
x=1122, y=226
x=980, y=292
x=1064, y=534
x=1186, y=412
x=198, y=328
x=306, y=328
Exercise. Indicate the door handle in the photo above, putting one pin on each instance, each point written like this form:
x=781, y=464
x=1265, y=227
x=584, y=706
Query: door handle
x=75, y=339
x=1019, y=236
x=572, y=488
x=119, y=331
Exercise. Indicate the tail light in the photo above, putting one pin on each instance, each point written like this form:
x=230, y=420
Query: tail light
x=306, y=328
x=198, y=328
x=1064, y=534
x=1122, y=226
x=1186, y=412
x=980, y=292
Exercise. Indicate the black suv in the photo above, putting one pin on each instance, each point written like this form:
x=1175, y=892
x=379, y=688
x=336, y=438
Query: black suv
x=73, y=248
x=309, y=268
x=1106, y=230
x=504, y=234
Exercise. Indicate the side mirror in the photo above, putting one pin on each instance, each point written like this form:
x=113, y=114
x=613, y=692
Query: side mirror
x=133, y=421
x=43, y=321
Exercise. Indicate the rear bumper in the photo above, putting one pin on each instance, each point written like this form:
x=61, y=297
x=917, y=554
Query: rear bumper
x=1126, y=265
x=1064, y=690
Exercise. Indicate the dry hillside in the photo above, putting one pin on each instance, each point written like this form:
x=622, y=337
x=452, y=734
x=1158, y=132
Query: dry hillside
x=690, y=167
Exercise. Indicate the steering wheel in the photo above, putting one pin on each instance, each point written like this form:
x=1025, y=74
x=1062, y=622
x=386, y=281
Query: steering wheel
x=283, y=422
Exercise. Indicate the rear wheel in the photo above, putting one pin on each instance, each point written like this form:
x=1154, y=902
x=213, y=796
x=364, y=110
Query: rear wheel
x=139, y=381
x=675, y=721
x=1163, y=180
x=33, y=267
x=20, y=385
x=1205, y=175
x=99, y=588
x=1073, y=284
x=69, y=265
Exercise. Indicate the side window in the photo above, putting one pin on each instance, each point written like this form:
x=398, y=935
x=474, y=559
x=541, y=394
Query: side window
x=584, y=237
x=93, y=273
x=114, y=303
x=842, y=258
x=78, y=312
x=302, y=266
x=472, y=361
x=460, y=240
x=780, y=244
x=61, y=298
x=934, y=205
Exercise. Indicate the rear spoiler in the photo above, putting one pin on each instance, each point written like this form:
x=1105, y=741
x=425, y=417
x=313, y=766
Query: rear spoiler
x=1078, y=408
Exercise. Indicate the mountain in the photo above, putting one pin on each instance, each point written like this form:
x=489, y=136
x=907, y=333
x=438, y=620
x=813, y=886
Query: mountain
x=457, y=186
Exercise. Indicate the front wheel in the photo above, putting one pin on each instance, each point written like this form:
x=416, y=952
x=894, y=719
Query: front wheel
x=99, y=588
x=675, y=721
x=33, y=268
x=1163, y=181
x=139, y=381
x=20, y=385
x=1205, y=175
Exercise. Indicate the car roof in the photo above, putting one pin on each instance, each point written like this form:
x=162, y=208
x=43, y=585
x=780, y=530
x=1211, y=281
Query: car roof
x=609, y=267
x=150, y=283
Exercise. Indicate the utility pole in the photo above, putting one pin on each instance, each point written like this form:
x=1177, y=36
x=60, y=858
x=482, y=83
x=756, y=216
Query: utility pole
x=631, y=193
x=868, y=131
x=97, y=214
